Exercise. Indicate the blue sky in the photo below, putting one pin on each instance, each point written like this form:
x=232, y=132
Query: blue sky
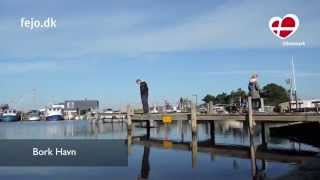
x=181, y=48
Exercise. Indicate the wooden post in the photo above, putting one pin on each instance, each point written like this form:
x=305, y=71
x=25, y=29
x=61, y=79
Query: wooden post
x=212, y=133
x=210, y=107
x=182, y=132
x=194, y=118
x=129, y=118
x=250, y=118
x=262, y=109
x=129, y=136
x=263, y=136
x=148, y=128
x=253, y=156
x=194, y=149
x=252, y=146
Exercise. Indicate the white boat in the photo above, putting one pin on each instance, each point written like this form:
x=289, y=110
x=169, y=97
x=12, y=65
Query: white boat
x=34, y=115
x=154, y=110
x=108, y=114
x=176, y=109
x=9, y=115
x=54, y=114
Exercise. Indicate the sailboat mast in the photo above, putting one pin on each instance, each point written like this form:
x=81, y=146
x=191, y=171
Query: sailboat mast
x=294, y=83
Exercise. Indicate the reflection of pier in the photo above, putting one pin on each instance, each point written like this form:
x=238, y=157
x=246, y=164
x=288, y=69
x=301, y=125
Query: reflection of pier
x=239, y=151
x=252, y=152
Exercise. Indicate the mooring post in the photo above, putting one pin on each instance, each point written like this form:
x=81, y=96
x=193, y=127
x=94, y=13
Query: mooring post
x=250, y=118
x=252, y=146
x=210, y=107
x=129, y=117
x=194, y=118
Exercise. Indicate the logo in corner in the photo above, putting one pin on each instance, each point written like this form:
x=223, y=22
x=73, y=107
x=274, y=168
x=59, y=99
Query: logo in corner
x=284, y=27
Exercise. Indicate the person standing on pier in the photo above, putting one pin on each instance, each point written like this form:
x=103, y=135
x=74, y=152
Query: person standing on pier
x=254, y=91
x=144, y=92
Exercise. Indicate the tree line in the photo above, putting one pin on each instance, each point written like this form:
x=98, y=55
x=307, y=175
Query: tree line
x=272, y=93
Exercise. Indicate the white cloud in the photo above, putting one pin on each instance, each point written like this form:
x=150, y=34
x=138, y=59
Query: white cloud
x=23, y=67
x=233, y=25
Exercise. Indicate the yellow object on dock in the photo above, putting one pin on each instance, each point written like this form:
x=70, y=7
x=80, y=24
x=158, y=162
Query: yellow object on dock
x=166, y=119
x=167, y=144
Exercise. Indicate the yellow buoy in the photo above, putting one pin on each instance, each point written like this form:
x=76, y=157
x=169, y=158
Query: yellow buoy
x=166, y=119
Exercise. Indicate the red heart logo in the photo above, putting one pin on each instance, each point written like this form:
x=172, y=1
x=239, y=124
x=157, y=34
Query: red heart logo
x=284, y=27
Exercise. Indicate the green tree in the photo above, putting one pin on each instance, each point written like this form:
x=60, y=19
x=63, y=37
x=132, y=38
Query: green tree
x=209, y=98
x=274, y=94
x=222, y=98
x=236, y=95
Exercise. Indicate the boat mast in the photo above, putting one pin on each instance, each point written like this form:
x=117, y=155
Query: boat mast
x=294, y=85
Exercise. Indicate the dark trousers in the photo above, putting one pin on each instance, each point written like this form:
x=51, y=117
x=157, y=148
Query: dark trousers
x=256, y=104
x=145, y=105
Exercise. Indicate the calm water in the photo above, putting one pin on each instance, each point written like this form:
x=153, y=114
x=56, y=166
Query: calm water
x=164, y=160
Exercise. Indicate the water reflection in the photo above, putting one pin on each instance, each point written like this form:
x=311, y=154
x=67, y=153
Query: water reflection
x=145, y=168
x=221, y=150
x=256, y=151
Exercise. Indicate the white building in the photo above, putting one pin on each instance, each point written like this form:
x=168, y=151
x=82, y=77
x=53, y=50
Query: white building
x=303, y=105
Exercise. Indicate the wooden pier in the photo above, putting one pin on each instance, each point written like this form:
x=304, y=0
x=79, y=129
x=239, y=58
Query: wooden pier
x=260, y=117
x=252, y=151
x=195, y=117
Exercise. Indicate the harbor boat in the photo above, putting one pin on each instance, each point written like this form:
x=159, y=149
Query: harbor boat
x=33, y=115
x=54, y=114
x=9, y=115
x=108, y=114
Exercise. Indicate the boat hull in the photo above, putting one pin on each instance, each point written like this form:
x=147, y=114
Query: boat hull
x=55, y=118
x=34, y=118
x=9, y=118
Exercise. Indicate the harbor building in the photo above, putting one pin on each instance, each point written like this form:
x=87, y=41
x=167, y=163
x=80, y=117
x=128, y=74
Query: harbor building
x=302, y=105
x=79, y=107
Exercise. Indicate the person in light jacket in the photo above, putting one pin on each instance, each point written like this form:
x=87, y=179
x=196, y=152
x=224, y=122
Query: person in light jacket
x=254, y=91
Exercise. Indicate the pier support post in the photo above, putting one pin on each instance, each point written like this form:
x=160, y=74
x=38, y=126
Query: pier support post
x=129, y=117
x=194, y=149
x=251, y=133
x=250, y=113
x=194, y=118
x=148, y=128
x=253, y=157
x=212, y=133
x=252, y=154
x=129, y=141
x=263, y=136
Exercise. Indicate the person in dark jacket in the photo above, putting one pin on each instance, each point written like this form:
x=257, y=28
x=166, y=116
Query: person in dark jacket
x=144, y=92
x=254, y=91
